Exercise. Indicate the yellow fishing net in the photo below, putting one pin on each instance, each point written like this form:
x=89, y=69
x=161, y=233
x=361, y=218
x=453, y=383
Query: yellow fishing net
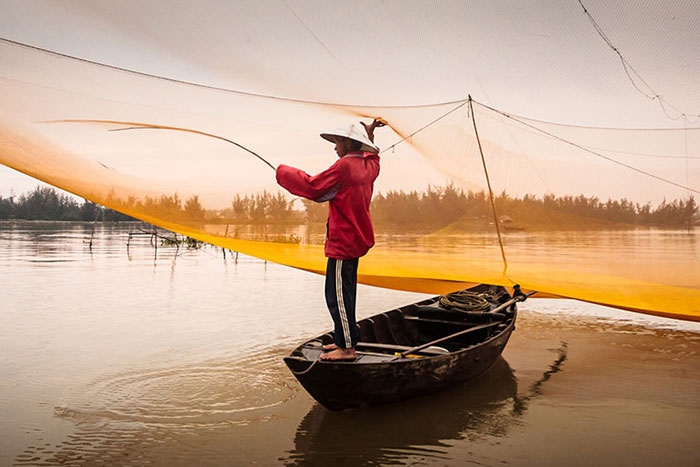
x=598, y=214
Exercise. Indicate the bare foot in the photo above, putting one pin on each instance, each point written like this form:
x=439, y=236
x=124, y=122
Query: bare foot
x=329, y=347
x=339, y=354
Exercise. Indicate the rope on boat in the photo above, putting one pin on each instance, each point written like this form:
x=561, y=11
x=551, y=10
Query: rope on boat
x=303, y=372
x=467, y=302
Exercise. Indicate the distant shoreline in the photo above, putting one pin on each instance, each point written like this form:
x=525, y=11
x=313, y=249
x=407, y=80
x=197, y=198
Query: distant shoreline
x=447, y=208
x=52, y=221
x=383, y=227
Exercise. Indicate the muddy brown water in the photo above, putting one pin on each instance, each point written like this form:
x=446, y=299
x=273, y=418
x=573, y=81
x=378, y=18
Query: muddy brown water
x=173, y=357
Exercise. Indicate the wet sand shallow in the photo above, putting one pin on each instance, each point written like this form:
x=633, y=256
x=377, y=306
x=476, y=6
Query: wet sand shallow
x=590, y=393
x=186, y=370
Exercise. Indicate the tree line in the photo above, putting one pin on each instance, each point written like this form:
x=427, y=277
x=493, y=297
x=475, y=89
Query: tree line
x=442, y=206
x=437, y=206
x=259, y=208
x=45, y=203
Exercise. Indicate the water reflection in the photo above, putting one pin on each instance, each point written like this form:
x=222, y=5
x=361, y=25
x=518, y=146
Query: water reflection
x=521, y=402
x=421, y=428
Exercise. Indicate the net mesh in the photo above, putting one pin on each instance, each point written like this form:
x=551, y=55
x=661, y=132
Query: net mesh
x=598, y=214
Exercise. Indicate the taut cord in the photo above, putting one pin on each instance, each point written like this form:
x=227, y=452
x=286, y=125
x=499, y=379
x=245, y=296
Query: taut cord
x=584, y=148
x=148, y=126
x=488, y=182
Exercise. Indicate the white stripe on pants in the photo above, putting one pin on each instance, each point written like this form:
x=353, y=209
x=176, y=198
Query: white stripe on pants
x=341, y=304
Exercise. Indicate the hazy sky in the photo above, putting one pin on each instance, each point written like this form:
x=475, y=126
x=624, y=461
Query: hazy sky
x=541, y=59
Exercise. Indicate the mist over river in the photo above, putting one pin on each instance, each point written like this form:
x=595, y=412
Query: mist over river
x=173, y=356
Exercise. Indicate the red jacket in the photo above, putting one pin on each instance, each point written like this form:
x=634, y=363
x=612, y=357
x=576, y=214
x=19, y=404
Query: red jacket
x=347, y=185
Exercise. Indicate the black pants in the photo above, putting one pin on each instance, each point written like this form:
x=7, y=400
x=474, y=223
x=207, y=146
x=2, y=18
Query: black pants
x=341, y=290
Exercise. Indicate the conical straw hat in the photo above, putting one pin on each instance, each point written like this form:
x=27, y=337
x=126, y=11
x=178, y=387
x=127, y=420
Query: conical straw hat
x=353, y=132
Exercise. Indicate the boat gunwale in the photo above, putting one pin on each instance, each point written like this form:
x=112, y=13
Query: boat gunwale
x=508, y=328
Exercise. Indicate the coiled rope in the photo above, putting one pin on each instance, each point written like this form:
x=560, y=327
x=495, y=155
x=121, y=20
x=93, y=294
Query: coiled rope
x=467, y=302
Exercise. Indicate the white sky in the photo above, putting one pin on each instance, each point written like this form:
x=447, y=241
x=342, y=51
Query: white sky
x=540, y=59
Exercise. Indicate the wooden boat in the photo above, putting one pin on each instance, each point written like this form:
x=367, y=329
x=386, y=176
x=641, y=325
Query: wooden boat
x=410, y=351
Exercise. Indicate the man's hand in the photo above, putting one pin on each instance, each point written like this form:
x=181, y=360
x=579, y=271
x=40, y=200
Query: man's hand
x=377, y=123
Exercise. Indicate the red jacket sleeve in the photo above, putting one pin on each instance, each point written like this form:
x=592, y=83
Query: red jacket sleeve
x=300, y=183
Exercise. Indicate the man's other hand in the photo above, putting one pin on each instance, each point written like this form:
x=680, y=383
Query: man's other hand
x=376, y=123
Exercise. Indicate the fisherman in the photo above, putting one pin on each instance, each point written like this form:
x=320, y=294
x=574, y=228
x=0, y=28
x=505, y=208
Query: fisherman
x=347, y=186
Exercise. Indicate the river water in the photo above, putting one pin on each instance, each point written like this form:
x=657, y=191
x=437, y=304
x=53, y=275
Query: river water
x=141, y=356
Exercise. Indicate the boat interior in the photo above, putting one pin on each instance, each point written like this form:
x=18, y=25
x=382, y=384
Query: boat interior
x=398, y=333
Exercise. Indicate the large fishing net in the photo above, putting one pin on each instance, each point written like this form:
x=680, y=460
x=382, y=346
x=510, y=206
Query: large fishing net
x=156, y=112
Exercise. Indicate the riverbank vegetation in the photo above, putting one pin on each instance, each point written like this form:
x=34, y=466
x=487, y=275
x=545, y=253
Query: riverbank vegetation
x=45, y=203
x=437, y=207
x=440, y=207
x=452, y=206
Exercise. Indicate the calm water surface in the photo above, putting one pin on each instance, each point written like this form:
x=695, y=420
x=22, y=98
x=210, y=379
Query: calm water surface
x=173, y=357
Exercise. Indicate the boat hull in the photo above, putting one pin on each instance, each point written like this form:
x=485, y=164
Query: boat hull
x=346, y=385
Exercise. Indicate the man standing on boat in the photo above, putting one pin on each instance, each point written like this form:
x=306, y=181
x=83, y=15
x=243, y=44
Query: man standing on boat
x=347, y=185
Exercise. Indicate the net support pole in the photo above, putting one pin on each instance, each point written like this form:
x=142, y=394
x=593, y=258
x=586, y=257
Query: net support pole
x=488, y=183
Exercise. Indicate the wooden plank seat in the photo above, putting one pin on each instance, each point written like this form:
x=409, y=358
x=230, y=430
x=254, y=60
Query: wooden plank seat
x=433, y=312
x=466, y=324
x=373, y=348
x=434, y=350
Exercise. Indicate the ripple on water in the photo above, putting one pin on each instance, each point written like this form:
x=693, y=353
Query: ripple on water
x=132, y=412
x=213, y=392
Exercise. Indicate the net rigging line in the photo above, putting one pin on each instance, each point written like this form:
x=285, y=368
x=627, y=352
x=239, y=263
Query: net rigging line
x=584, y=148
x=488, y=184
x=411, y=135
x=628, y=67
x=313, y=34
x=148, y=126
x=519, y=147
x=616, y=151
x=643, y=154
x=217, y=88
